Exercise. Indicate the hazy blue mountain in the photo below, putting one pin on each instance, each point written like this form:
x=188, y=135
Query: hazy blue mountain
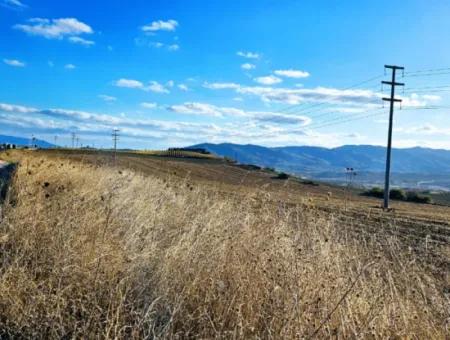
x=316, y=159
x=21, y=141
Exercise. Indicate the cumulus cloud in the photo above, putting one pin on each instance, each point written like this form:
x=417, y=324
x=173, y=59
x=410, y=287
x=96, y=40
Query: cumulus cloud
x=107, y=98
x=14, y=4
x=161, y=25
x=55, y=28
x=425, y=129
x=70, y=66
x=16, y=108
x=221, y=86
x=196, y=108
x=292, y=73
x=183, y=87
x=268, y=80
x=173, y=47
x=248, y=55
x=362, y=98
x=81, y=41
x=147, y=105
x=129, y=83
x=248, y=66
x=153, y=86
x=14, y=62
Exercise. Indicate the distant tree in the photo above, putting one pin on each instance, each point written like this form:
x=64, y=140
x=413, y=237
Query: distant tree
x=413, y=196
x=397, y=194
x=375, y=192
x=282, y=175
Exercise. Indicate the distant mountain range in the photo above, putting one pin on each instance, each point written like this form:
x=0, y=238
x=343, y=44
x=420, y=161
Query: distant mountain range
x=20, y=141
x=410, y=167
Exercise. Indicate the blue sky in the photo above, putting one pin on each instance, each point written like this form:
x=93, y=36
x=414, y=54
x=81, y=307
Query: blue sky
x=176, y=73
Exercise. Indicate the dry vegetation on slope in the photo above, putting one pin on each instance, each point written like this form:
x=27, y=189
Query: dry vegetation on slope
x=92, y=251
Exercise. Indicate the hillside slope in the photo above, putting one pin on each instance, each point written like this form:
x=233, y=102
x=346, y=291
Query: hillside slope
x=21, y=141
x=309, y=159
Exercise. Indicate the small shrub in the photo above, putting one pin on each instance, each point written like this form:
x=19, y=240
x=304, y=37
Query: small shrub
x=375, y=192
x=397, y=194
x=413, y=196
x=282, y=175
x=269, y=169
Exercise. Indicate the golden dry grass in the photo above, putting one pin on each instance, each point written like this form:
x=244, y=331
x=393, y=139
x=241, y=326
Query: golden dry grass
x=91, y=251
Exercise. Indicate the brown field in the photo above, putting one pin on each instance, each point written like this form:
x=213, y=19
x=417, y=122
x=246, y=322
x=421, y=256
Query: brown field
x=175, y=248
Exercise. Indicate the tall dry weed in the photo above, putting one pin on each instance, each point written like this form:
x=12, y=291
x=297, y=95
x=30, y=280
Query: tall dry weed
x=97, y=252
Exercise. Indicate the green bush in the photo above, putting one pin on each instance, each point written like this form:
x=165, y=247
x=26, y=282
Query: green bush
x=269, y=169
x=375, y=192
x=282, y=175
x=413, y=196
x=397, y=194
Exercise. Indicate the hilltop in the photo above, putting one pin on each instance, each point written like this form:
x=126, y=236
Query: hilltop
x=409, y=166
x=21, y=141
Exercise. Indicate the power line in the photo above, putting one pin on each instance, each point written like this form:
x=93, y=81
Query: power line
x=429, y=70
x=346, y=119
x=326, y=102
x=426, y=74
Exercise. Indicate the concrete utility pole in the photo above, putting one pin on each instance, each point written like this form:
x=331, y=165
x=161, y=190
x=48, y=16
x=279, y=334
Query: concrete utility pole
x=391, y=100
x=115, y=136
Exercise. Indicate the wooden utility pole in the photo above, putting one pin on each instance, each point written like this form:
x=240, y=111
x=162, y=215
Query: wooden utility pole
x=392, y=100
x=115, y=136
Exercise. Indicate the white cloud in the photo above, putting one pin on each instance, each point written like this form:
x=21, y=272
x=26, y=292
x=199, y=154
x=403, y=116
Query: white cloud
x=221, y=86
x=70, y=66
x=81, y=41
x=153, y=86
x=292, y=73
x=196, y=109
x=204, y=109
x=173, y=47
x=107, y=98
x=170, y=83
x=161, y=25
x=147, y=105
x=268, y=80
x=14, y=62
x=157, y=44
x=183, y=87
x=129, y=83
x=248, y=55
x=156, y=87
x=363, y=98
x=425, y=129
x=248, y=66
x=14, y=4
x=16, y=108
x=55, y=28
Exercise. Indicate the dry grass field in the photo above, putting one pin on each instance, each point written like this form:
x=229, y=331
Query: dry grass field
x=164, y=248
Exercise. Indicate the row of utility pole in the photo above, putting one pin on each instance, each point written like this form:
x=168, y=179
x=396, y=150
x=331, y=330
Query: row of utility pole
x=392, y=100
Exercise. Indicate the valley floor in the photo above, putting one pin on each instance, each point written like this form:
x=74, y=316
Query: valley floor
x=159, y=247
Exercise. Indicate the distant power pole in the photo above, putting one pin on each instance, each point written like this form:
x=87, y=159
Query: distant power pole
x=78, y=141
x=55, y=139
x=391, y=100
x=73, y=139
x=115, y=136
